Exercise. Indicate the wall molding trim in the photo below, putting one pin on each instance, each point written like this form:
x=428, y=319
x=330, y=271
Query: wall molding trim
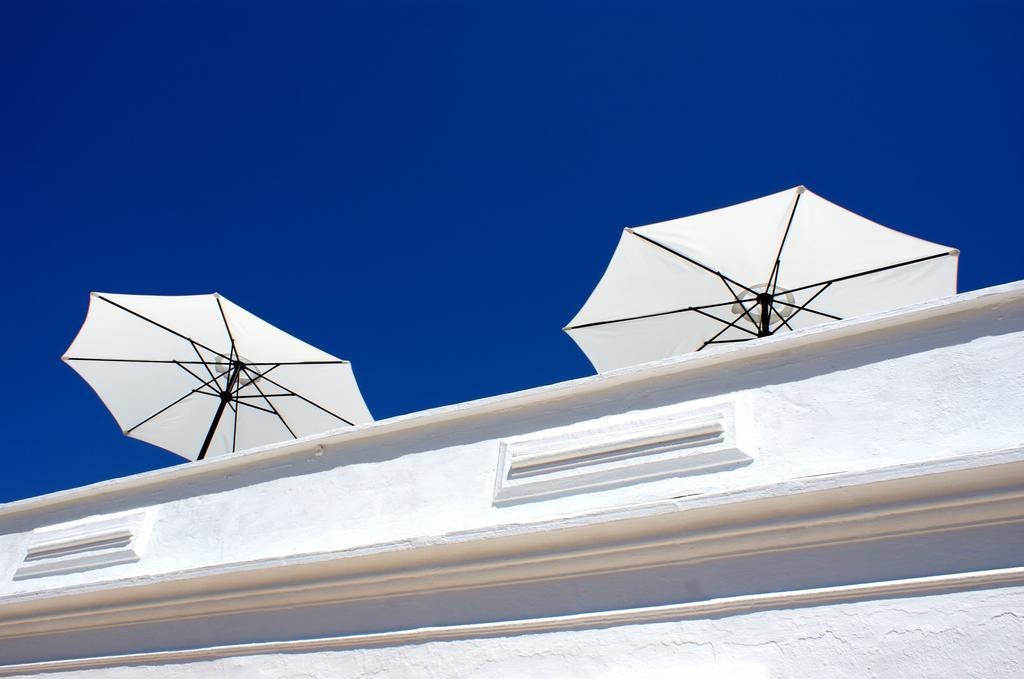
x=962, y=492
x=737, y=605
x=623, y=449
x=85, y=544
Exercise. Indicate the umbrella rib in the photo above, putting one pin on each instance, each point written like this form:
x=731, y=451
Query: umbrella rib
x=193, y=374
x=805, y=304
x=171, y=360
x=255, y=407
x=169, y=406
x=303, y=398
x=727, y=323
x=273, y=408
x=226, y=326
x=728, y=341
x=813, y=311
x=261, y=395
x=722, y=331
x=689, y=259
x=740, y=302
x=871, y=271
x=338, y=361
x=130, y=360
x=781, y=318
x=196, y=349
x=654, y=315
x=273, y=366
x=160, y=325
x=180, y=364
x=778, y=257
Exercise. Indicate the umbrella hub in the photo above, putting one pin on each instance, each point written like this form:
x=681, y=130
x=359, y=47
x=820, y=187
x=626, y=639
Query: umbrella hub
x=763, y=305
x=247, y=374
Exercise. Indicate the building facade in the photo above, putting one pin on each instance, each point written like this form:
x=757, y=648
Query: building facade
x=845, y=501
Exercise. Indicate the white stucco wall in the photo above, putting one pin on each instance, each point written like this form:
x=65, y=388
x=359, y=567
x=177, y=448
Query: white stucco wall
x=871, y=524
x=956, y=635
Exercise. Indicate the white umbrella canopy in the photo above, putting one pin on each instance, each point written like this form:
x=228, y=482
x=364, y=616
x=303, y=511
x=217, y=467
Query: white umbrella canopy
x=769, y=265
x=201, y=376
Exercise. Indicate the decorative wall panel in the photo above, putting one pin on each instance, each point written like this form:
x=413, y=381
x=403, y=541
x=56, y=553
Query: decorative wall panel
x=622, y=449
x=94, y=542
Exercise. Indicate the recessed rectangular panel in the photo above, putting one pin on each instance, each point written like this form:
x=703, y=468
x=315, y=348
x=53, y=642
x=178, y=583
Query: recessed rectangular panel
x=622, y=449
x=85, y=544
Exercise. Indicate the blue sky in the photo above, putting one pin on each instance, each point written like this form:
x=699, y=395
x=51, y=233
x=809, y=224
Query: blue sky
x=432, y=189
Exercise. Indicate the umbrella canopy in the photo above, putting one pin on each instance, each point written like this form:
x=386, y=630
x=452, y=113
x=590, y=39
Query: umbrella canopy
x=199, y=375
x=769, y=265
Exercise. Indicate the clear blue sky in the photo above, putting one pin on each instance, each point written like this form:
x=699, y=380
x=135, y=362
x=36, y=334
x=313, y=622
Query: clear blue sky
x=432, y=189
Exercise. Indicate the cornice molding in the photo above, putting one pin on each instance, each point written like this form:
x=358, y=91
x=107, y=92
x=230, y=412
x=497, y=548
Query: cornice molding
x=968, y=491
x=942, y=584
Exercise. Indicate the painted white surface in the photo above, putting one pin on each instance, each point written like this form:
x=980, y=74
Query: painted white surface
x=886, y=455
x=162, y=363
x=961, y=635
x=619, y=450
x=677, y=286
x=93, y=542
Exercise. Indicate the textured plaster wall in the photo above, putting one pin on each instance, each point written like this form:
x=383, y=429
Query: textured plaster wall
x=945, y=387
x=958, y=551
x=967, y=635
x=932, y=390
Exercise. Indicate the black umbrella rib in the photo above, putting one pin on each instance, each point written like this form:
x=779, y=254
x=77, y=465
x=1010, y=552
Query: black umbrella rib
x=200, y=362
x=813, y=311
x=225, y=319
x=303, y=398
x=804, y=306
x=654, y=315
x=743, y=306
x=160, y=325
x=722, y=331
x=243, y=396
x=275, y=363
x=690, y=260
x=196, y=349
x=133, y=360
x=212, y=376
x=871, y=271
x=773, y=279
x=781, y=318
x=727, y=323
x=273, y=408
x=171, y=405
x=255, y=407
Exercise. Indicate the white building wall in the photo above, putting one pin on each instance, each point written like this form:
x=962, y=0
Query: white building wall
x=952, y=635
x=865, y=518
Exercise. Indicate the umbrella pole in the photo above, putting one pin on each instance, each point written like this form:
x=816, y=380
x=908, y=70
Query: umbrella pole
x=225, y=396
x=765, y=302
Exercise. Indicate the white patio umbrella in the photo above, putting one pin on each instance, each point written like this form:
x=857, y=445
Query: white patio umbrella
x=199, y=375
x=769, y=265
